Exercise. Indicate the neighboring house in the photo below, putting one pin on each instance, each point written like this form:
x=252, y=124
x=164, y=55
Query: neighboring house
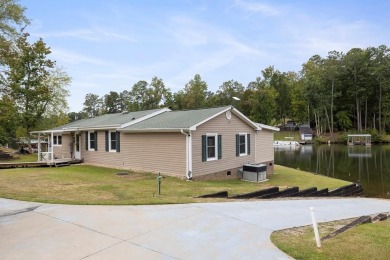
x=306, y=132
x=206, y=143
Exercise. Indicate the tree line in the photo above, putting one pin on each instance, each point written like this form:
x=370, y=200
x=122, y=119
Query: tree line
x=339, y=92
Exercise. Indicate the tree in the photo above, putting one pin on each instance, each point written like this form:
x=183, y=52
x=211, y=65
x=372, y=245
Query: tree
x=195, y=93
x=12, y=22
x=139, y=95
x=32, y=82
x=8, y=119
x=57, y=83
x=332, y=68
x=12, y=19
x=227, y=91
x=92, y=105
x=261, y=100
x=111, y=103
x=381, y=70
x=356, y=63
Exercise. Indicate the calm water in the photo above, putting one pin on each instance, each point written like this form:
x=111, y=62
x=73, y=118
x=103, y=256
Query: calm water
x=368, y=165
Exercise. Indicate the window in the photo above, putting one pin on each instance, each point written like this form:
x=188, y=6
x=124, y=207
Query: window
x=57, y=140
x=91, y=141
x=243, y=145
x=211, y=147
x=77, y=143
x=112, y=141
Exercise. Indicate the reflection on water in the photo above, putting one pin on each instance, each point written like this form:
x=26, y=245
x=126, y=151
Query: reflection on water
x=365, y=164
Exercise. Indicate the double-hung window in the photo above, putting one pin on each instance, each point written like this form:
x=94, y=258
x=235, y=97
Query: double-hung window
x=112, y=141
x=57, y=140
x=243, y=144
x=91, y=141
x=211, y=147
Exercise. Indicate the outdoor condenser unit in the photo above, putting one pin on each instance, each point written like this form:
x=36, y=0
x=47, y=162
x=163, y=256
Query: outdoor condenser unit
x=254, y=172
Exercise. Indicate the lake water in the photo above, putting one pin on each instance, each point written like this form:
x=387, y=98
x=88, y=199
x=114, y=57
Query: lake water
x=369, y=165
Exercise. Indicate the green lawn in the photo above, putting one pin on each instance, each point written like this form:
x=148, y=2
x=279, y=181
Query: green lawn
x=280, y=136
x=368, y=241
x=25, y=158
x=83, y=184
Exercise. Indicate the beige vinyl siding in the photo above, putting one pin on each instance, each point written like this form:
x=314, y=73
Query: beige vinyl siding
x=264, y=146
x=63, y=151
x=149, y=152
x=228, y=129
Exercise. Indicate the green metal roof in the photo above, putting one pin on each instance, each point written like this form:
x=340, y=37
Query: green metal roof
x=116, y=119
x=182, y=119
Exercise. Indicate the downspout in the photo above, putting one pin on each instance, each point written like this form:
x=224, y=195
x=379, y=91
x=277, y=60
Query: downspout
x=188, y=148
x=257, y=132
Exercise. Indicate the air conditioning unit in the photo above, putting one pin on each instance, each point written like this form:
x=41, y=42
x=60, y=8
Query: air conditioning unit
x=254, y=172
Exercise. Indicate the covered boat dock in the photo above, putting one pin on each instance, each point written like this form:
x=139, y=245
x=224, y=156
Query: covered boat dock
x=359, y=139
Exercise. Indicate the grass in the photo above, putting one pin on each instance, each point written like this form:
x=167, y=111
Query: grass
x=25, y=158
x=280, y=136
x=368, y=241
x=83, y=184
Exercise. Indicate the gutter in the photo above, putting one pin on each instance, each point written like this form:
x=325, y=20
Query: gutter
x=188, y=154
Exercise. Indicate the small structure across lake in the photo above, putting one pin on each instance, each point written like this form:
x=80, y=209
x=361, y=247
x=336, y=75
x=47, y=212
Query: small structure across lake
x=359, y=139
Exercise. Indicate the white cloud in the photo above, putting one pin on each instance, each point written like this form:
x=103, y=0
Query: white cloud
x=74, y=58
x=98, y=34
x=253, y=7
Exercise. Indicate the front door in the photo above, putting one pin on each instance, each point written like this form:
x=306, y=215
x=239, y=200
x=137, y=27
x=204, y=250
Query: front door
x=77, y=148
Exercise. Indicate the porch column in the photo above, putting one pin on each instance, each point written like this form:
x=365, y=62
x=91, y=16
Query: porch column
x=39, y=147
x=52, y=146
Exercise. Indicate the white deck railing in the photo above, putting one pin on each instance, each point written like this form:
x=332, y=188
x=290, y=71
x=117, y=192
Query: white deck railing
x=46, y=156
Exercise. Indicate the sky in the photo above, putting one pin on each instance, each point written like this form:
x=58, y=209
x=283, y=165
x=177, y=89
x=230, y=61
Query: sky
x=111, y=45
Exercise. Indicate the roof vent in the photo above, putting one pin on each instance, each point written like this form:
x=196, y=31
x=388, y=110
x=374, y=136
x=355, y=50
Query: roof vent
x=125, y=112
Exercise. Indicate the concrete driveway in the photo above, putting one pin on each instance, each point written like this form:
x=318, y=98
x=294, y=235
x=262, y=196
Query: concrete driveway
x=234, y=230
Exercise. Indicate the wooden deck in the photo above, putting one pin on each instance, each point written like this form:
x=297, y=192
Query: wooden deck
x=55, y=163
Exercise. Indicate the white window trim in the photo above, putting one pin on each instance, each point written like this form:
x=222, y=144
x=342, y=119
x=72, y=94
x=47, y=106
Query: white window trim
x=89, y=141
x=215, y=135
x=246, y=143
x=109, y=142
x=55, y=140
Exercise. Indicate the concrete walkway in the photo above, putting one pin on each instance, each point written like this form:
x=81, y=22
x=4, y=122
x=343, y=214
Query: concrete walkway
x=235, y=230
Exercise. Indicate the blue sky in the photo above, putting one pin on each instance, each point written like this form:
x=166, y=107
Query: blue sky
x=110, y=45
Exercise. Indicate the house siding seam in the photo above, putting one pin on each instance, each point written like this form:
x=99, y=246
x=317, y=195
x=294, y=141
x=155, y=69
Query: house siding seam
x=64, y=150
x=146, y=152
x=228, y=129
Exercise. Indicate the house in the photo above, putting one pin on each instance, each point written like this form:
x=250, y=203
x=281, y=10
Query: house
x=208, y=143
x=306, y=132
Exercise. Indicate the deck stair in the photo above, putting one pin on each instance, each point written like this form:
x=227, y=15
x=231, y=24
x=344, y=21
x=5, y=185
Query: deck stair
x=61, y=164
